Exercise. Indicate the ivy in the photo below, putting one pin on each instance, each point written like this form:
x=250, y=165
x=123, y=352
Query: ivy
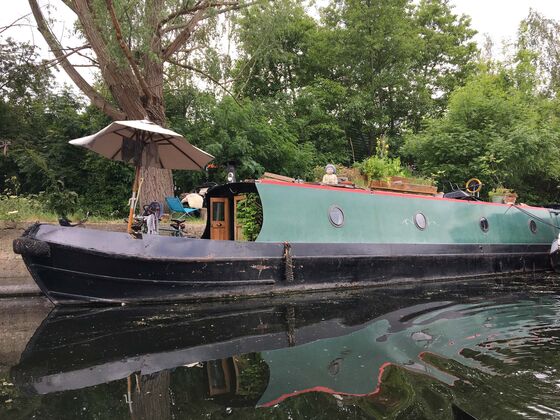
x=250, y=216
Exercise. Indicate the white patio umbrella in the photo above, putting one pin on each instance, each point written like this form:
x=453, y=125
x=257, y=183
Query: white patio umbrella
x=143, y=143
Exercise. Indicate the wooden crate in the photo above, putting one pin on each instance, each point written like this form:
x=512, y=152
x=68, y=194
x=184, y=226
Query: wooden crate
x=403, y=185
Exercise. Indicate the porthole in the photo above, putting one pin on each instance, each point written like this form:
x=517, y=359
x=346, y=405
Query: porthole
x=336, y=216
x=420, y=221
x=484, y=226
x=533, y=226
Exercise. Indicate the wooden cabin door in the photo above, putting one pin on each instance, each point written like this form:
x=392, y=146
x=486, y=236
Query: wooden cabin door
x=219, y=218
x=237, y=228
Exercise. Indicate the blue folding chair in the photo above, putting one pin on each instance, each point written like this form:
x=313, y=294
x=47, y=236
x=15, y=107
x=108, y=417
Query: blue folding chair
x=176, y=206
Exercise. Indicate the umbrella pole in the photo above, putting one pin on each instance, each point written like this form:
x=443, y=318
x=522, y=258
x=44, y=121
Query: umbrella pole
x=133, y=199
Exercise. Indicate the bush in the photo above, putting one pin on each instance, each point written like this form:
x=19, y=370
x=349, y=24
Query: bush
x=382, y=168
x=250, y=216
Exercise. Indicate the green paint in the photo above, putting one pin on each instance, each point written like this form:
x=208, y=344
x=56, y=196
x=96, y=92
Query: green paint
x=352, y=364
x=295, y=213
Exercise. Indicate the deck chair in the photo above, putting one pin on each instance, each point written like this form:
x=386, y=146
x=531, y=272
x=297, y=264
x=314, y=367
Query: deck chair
x=175, y=207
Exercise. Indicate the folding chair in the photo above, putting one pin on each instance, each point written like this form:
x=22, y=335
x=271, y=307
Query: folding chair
x=175, y=206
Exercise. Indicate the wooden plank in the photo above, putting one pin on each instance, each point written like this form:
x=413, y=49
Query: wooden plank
x=270, y=175
x=404, y=187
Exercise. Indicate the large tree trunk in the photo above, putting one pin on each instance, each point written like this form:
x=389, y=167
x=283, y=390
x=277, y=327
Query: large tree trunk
x=158, y=183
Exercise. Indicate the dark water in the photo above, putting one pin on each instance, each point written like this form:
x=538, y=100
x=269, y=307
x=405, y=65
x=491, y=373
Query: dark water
x=478, y=349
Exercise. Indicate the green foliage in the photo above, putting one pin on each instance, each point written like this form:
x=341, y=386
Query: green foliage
x=42, y=163
x=308, y=93
x=250, y=216
x=21, y=79
x=255, y=135
x=496, y=131
x=59, y=200
x=499, y=191
x=56, y=198
x=382, y=168
x=15, y=208
x=253, y=375
x=539, y=37
x=367, y=69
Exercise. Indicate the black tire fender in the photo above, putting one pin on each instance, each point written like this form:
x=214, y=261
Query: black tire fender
x=31, y=247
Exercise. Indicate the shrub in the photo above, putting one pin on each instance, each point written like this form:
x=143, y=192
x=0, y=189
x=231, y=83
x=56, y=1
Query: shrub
x=382, y=168
x=250, y=216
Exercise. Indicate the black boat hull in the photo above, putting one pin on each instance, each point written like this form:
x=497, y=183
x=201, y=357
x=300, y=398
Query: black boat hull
x=82, y=266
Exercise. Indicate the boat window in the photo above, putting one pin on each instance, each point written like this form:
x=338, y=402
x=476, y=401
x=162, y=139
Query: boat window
x=420, y=221
x=533, y=226
x=218, y=213
x=484, y=224
x=336, y=216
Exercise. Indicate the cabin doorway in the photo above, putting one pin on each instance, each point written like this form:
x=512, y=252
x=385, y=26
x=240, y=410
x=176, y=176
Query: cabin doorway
x=219, y=218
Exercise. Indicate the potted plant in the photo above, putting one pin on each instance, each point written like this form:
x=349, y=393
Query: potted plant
x=502, y=195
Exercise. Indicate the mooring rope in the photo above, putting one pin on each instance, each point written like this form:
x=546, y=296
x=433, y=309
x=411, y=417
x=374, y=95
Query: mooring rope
x=522, y=210
x=288, y=266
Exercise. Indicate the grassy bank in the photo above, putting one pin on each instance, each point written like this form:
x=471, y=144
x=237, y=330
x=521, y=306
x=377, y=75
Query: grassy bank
x=22, y=209
x=30, y=209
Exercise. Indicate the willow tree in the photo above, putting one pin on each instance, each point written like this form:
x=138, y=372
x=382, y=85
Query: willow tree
x=132, y=42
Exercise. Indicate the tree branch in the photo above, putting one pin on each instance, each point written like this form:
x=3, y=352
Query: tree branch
x=87, y=57
x=233, y=6
x=76, y=77
x=126, y=50
x=186, y=33
x=13, y=24
x=204, y=74
x=70, y=5
x=70, y=52
x=185, y=10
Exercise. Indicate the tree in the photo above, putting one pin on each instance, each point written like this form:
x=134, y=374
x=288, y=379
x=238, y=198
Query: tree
x=22, y=78
x=497, y=130
x=24, y=91
x=368, y=68
x=399, y=61
x=274, y=42
x=256, y=135
x=131, y=43
x=541, y=36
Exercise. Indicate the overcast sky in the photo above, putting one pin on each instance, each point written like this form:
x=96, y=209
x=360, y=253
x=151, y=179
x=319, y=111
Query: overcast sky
x=499, y=19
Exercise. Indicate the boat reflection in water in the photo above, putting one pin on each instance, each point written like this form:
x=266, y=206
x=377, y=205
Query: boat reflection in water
x=427, y=351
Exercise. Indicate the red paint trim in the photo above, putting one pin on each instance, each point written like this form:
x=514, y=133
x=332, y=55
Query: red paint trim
x=329, y=390
x=378, y=192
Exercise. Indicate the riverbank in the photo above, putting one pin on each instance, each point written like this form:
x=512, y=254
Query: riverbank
x=15, y=280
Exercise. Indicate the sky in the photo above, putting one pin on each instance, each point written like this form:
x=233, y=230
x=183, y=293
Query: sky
x=498, y=19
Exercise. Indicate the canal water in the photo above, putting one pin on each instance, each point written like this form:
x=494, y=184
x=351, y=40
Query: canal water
x=484, y=349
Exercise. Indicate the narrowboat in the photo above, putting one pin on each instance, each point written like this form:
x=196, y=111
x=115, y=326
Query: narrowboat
x=313, y=237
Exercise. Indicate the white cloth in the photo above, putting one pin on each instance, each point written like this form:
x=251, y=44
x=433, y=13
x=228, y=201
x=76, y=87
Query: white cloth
x=194, y=201
x=152, y=224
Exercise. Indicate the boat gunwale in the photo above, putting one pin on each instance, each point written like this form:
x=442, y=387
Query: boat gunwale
x=280, y=257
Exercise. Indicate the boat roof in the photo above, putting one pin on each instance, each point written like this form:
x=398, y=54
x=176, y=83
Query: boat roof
x=358, y=190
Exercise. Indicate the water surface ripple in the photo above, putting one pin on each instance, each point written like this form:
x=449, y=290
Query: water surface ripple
x=475, y=349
